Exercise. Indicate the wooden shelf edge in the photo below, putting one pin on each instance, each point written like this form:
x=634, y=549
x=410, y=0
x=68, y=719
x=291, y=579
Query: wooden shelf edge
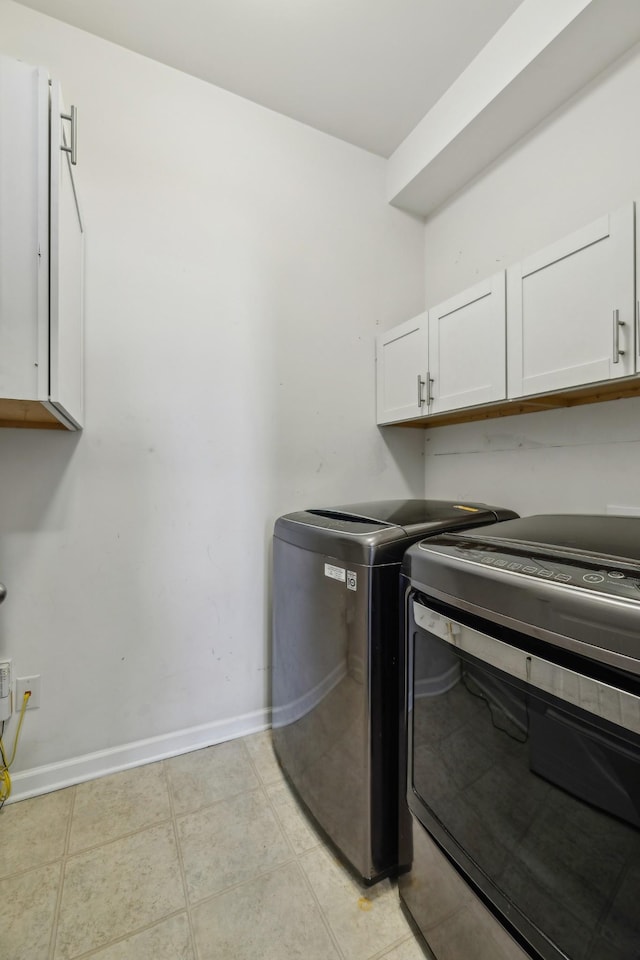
x=594, y=393
x=28, y=415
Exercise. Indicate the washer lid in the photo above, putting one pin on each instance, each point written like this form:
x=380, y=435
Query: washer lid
x=379, y=531
x=412, y=513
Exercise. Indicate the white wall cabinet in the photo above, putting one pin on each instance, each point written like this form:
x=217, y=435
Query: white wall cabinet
x=41, y=255
x=568, y=328
x=467, y=347
x=402, y=361
x=571, y=309
x=450, y=357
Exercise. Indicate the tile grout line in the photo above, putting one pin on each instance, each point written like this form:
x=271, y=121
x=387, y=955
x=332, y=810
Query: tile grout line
x=325, y=850
x=126, y=936
x=165, y=822
x=254, y=765
x=183, y=875
x=243, y=883
x=264, y=785
x=282, y=782
x=323, y=916
x=391, y=948
x=292, y=859
x=277, y=822
x=71, y=855
x=63, y=864
x=261, y=876
x=305, y=879
x=36, y=866
x=121, y=836
x=213, y=803
x=263, y=789
x=282, y=824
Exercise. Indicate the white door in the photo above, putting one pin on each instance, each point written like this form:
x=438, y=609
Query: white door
x=570, y=309
x=67, y=271
x=467, y=347
x=402, y=360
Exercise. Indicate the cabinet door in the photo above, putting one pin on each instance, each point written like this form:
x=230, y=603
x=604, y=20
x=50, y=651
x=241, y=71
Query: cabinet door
x=401, y=371
x=467, y=347
x=67, y=271
x=24, y=231
x=570, y=309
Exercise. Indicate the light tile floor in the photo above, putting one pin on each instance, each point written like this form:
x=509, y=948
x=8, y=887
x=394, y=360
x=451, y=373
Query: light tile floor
x=202, y=857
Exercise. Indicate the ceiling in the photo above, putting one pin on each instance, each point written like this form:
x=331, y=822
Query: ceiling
x=363, y=70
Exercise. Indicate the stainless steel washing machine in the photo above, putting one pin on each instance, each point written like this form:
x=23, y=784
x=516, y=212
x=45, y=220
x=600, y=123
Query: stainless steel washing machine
x=338, y=667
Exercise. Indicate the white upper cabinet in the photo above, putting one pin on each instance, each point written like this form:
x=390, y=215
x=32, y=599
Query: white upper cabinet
x=571, y=310
x=566, y=327
x=402, y=360
x=41, y=255
x=467, y=348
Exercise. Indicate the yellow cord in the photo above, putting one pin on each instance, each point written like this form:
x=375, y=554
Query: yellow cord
x=5, y=778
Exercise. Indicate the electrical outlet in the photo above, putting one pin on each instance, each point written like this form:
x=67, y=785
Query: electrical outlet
x=5, y=689
x=23, y=684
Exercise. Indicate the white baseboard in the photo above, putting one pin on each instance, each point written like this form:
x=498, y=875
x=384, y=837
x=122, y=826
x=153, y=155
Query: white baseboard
x=54, y=776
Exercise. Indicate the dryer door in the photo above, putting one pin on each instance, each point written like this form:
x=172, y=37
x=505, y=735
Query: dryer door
x=527, y=774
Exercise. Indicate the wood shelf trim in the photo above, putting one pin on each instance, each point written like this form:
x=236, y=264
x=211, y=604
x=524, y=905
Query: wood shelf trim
x=28, y=415
x=593, y=393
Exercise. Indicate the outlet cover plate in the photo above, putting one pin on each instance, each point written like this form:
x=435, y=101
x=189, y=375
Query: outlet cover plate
x=27, y=683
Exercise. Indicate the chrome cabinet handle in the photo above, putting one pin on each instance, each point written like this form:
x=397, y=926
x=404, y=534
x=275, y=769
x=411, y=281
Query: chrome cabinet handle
x=617, y=323
x=429, y=393
x=73, y=149
x=421, y=384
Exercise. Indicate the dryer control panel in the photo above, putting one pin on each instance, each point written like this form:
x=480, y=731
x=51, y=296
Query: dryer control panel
x=618, y=580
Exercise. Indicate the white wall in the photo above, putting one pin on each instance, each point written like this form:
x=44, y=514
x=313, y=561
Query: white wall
x=575, y=167
x=238, y=264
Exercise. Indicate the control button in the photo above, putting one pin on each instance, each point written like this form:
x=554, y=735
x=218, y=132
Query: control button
x=501, y=563
x=514, y=566
x=529, y=569
x=488, y=559
x=615, y=575
x=593, y=578
x=545, y=573
x=563, y=577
